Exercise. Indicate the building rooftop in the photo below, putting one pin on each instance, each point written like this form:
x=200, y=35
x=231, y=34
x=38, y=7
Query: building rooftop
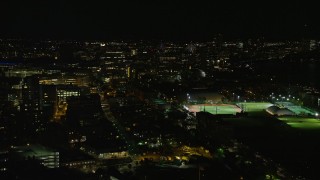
x=33, y=150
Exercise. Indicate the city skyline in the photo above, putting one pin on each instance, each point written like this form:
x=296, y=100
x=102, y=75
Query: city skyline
x=141, y=109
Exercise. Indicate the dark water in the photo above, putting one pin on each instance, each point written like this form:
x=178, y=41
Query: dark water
x=306, y=73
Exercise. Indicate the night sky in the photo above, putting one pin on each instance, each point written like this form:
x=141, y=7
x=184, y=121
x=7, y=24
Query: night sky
x=175, y=20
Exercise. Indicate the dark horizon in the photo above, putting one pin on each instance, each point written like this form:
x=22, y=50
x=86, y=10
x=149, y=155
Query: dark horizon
x=163, y=20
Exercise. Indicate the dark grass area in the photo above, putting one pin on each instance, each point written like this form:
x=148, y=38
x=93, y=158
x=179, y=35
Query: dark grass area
x=297, y=149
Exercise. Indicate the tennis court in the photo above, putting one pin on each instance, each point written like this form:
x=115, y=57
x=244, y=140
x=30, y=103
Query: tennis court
x=254, y=106
x=215, y=108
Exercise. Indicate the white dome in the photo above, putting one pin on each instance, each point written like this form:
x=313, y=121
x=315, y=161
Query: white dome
x=285, y=112
x=273, y=110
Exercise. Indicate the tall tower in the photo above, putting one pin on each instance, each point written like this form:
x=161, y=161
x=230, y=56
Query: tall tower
x=31, y=106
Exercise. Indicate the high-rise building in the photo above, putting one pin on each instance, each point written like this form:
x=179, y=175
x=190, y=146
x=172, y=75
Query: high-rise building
x=49, y=101
x=31, y=106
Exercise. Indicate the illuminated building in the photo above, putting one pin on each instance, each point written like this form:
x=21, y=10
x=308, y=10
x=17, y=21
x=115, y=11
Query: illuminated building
x=79, y=163
x=22, y=73
x=167, y=58
x=133, y=52
x=112, y=55
x=107, y=151
x=113, y=155
x=128, y=72
x=313, y=45
x=67, y=91
x=75, y=159
x=79, y=79
x=47, y=157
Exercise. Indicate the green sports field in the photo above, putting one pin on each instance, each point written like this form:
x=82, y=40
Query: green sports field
x=254, y=106
x=229, y=108
x=302, y=122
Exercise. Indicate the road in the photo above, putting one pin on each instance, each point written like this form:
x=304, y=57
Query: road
x=130, y=143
